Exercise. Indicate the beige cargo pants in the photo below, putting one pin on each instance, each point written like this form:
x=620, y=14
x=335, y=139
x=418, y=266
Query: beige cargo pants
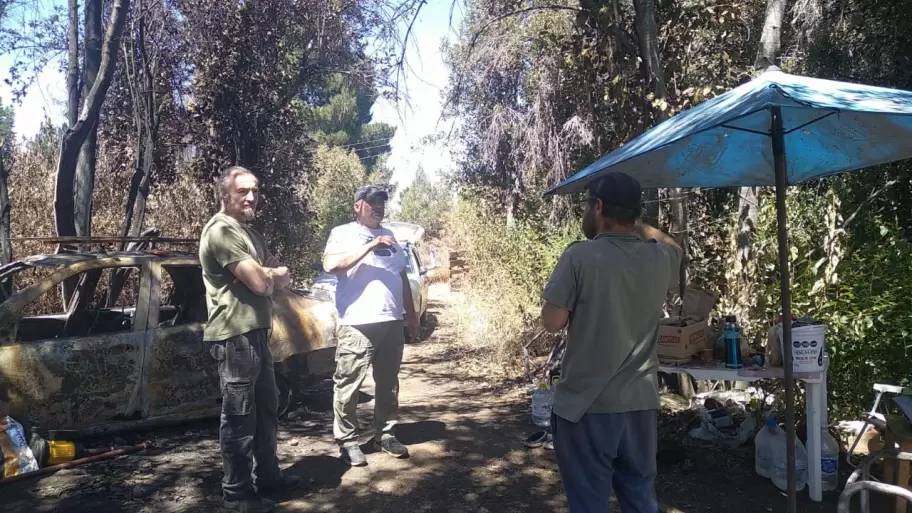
x=378, y=345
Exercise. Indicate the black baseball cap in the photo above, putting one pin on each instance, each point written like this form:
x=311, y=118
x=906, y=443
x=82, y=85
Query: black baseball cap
x=620, y=193
x=369, y=193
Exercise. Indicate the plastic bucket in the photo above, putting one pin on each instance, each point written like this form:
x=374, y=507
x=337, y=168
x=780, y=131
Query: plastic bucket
x=807, y=347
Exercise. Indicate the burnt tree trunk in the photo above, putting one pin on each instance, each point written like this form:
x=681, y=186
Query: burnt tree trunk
x=85, y=167
x=76, y=135
x=140, y=73
x=73, y=95
x=64, y=200
x=6, y=248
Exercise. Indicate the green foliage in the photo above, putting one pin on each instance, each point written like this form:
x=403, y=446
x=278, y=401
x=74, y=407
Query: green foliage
x=426, y=203
x=857, y=284
x=341, y=116
x=541, y=89
x=339, y=173
x=7, y=116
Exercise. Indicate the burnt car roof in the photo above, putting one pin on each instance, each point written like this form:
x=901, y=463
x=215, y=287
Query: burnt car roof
x=59, y=259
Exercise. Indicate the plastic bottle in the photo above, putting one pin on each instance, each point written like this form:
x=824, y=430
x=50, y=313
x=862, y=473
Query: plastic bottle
x=829, y=460
x=763, y=448
x=780, y=464
x=541, y=405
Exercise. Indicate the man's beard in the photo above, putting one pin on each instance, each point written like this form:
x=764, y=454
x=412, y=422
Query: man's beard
x=377, y=215
x=249, y=214
x=588, y=226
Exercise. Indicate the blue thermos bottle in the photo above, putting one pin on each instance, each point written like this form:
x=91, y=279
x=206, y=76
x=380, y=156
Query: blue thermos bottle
x=731, y=332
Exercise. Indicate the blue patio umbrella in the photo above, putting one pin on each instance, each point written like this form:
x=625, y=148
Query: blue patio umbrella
x=777, y=129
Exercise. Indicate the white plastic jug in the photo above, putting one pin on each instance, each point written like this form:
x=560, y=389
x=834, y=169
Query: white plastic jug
x=780, y=464
x=763, y=448
x=541, y=406
x=829, y=460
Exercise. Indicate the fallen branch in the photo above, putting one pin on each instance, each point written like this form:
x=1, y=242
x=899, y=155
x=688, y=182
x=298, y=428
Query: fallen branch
x=75, y=463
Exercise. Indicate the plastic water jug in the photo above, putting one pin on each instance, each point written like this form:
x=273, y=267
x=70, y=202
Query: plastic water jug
x=541, y=406
x=829, y=460
x=780, y=464
x=763, y=448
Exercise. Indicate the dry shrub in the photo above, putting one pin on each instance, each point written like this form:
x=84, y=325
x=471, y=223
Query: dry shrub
x=182, y=208
x=178, y=209
x=31, y=192
x=506, y=269
x=439, y=275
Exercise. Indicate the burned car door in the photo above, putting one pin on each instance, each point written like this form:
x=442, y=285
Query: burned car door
x=80, y=366
x=180, y=376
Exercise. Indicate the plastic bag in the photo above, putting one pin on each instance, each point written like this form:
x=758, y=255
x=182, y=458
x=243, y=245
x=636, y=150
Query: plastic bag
x=730, y=425
x=15, y=452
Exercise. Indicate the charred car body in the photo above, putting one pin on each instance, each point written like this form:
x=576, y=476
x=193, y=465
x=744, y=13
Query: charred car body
x=115, y=360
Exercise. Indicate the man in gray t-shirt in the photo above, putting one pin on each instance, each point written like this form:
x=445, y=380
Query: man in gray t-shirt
x=374, y=303
x=609, y=292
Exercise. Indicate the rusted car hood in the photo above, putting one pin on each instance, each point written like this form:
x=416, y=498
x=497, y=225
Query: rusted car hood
x=301, y=324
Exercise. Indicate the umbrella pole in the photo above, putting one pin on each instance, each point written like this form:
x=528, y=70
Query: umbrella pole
x=778, y=142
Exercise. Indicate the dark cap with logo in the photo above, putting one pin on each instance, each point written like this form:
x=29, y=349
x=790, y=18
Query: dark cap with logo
x=370, y=193
x=620, y=194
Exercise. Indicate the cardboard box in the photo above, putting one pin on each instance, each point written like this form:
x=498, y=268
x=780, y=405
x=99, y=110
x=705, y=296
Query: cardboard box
x=681, y=342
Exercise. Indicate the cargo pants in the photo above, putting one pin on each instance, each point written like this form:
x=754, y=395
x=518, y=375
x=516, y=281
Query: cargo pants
x=249, y=419
x=379, y=345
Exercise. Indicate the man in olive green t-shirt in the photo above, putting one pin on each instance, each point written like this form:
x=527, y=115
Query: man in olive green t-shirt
x=609, y=292
x=240, y=276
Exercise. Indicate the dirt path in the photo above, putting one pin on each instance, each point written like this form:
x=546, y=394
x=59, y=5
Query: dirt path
x=466, y=456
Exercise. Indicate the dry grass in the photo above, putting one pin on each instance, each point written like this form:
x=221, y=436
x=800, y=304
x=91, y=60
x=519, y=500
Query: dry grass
x=439, y=275
x=505, y=270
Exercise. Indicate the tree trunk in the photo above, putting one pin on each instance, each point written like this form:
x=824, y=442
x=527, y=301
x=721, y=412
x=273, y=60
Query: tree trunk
x=139, y=73
x=65, y=194
x=748, y=197
x=85, y=168
x=6, y=249
x=73, y=66
x=770, y=38
x=649, y=53
x=75, y=136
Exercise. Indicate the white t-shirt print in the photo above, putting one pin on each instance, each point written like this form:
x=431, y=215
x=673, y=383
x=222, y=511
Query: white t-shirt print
x=371, y=291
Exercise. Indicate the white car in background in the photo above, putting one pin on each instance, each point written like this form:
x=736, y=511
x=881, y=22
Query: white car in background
x=408, y=235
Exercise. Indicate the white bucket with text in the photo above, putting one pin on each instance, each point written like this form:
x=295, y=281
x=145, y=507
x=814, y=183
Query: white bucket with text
x=807, y=347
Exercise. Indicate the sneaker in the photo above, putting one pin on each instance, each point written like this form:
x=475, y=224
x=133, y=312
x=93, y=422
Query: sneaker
x=549, y=442
x=391, y=446
x=535, y=440
x=353, y=455
x=287, y=483
x=249, y=505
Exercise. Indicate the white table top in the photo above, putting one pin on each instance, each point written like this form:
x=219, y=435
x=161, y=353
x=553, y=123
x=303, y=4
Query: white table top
x=720, y=372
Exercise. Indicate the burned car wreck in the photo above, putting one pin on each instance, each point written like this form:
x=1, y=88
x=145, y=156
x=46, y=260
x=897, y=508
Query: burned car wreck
x=127, y=349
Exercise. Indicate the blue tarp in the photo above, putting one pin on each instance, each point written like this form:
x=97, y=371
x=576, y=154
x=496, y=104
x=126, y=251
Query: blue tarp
x=830, y=127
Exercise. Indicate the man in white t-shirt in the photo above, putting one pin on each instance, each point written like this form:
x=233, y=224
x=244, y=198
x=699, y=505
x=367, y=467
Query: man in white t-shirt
x=374, y=303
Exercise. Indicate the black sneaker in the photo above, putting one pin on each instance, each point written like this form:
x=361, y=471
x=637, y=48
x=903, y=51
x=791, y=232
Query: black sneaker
x=287, y=483
x=249, y=505
x=391, y=446
x=353, y=455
